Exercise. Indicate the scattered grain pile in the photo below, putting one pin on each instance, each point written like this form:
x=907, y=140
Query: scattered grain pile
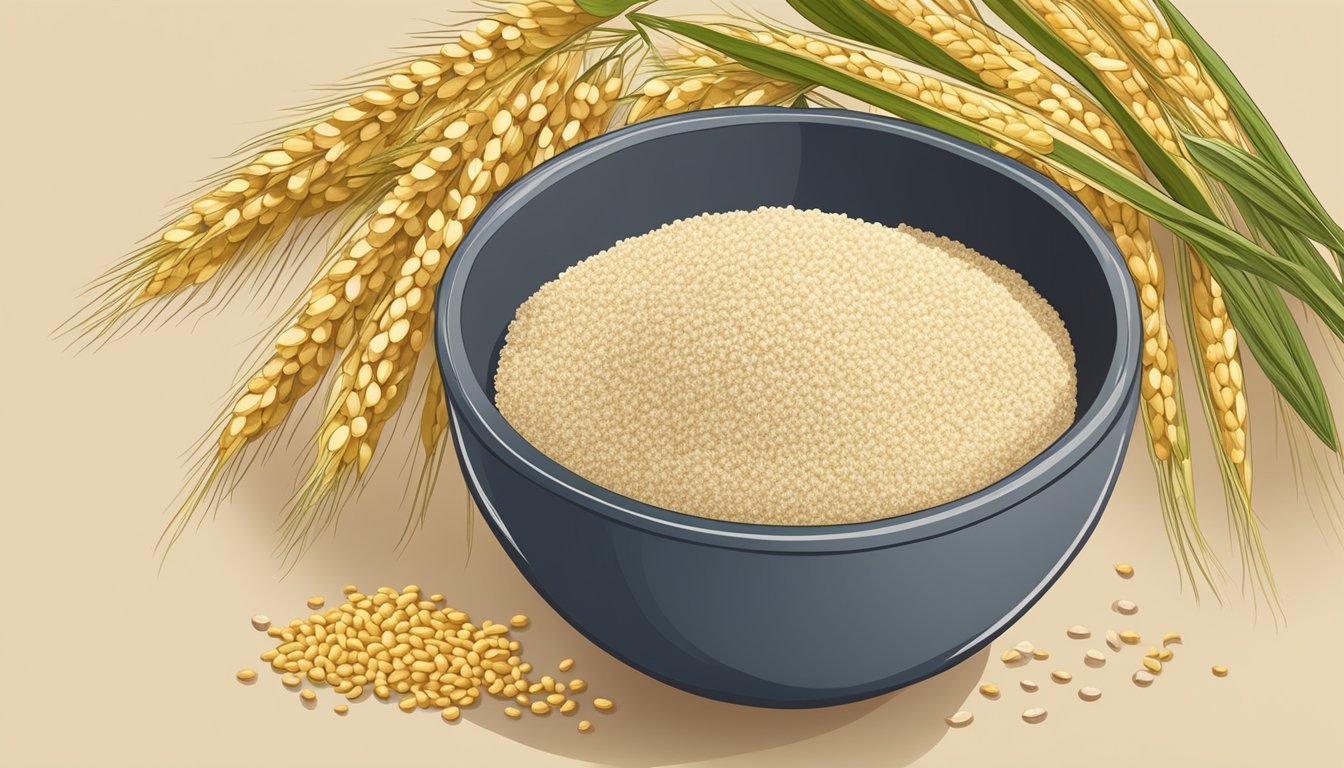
x=413, y=648
x=788, y=367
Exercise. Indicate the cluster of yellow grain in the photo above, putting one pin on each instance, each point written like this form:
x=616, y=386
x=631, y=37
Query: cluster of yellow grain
x=405, y=645
x=521, y=129
x=699, y=78
x=322, y=165
x=1125, y=80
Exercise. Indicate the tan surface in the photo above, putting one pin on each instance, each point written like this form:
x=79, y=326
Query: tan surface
x=115, y=108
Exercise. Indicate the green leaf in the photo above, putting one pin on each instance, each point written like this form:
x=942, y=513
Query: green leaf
x=857, y=20
x=800, y=102
x=607, y=8
x=1260, y=183
x=1263, y=139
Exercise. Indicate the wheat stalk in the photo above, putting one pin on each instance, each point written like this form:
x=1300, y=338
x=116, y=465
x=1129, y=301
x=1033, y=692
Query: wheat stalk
x=694, y=78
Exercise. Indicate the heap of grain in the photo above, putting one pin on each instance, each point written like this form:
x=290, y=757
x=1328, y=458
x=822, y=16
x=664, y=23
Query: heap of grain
x=788, y=367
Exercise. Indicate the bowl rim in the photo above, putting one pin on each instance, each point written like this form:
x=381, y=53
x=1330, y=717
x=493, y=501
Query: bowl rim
x=470, y=408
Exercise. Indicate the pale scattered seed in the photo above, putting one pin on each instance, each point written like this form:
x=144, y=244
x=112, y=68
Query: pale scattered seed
x=1153, y=665
x=1171, y=638
x=1094, y=658
x=1143, y=678
x=451, y=714
x=585, y=726
x=340, y=709
x=307, y=694
x=513, y=712
x=960, y=719
x=519, y=621
x=246, y=675
x=989, y=691
x=1130, y=637
x=540, y=708
x=1089, y=693
x=1030, y=686
x=349, y=589
x=261, y=623
x=291, y=680
x=1011, y=657
x=1034, y=715
x=1113, y=639
x=577, y=685
x=566, y=665
x=1040, y=654
x=603, y=705
x=1079, y=632
x=568, y=707
x=1025, y=648
x=316, y=601
x=1219, y=670
x=1124, y=569
x=1126, y=607
x=1060, y=676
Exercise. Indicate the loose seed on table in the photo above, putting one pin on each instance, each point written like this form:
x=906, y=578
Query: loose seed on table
x=603, y=705
x=1060, y=676
x=577, y=685
x=408, y=704
x=585, y=726
x=1011, y=657
x=1040, y=654
x=316, y=601
x=1171, y=638
x=568, y=707
x=519, y=621
x=1113, y=639
x=540, y=708
x=261, y=623
x=1034, y=715
x=246, y=675
x=1143, y=678
x=1089, y=693
x=565, y=665
x=451, y=713
x=1029, y=686
x=1079, y=632
x=1124, y=569
x=989, y=691
x=1025, y=648
x=1219, y=670
x=1094, y=658
x=1130, y=637
x=513, y=712
x=1126, y=607
x=307, y=694
x=1153, y=665
x=1151, y=653
x=349, y=589
x=1165, y=655
x=340, y=709
x=290, y=680
x=960, y=719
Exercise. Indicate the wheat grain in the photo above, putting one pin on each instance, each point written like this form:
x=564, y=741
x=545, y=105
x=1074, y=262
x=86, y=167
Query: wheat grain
x=516, y=132
x=312, y=169
x=699, y=78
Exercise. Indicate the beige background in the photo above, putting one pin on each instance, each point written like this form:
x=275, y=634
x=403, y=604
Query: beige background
x=112, y=109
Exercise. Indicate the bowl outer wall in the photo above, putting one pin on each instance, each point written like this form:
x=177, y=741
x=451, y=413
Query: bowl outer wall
x=523, y=494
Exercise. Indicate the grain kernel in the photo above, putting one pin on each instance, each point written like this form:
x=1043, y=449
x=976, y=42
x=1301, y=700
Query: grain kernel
x=1219, y=670
x=1089, y=693
x=1142, y=678
x=307, y=694
x=1079, y=632
x=1094, y=658
x=519, y=621
x=1060, y=676
x=1171, y=638
x=1153, y=665
x=540, y=708
x=1124, y=569
x=603, y=705
x=290, y=680
x=1113, y=639
x=1029, y=686
x=568, y=707
x=565, y=665
x=960, y=719
x=261, y=623
x=1011, y=657
x=1130, y=637
x=246, y=675
x=989, y=691
x=1034, y=715
x=1040, y=654
x=577, y=685
x=1126, y=607
x=451, y=714
x=513, y=712
x=1025, y=648
x=316, y=601
x=585, y=726
x=340, y=709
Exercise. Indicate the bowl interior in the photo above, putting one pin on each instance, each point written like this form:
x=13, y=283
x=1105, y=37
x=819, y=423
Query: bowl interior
x=842, y=168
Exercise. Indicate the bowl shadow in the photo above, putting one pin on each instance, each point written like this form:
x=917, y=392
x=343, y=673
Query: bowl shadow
x=653, y=724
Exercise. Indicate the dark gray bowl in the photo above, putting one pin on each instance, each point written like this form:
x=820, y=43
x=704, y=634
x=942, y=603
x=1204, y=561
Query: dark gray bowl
x=785, y=616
